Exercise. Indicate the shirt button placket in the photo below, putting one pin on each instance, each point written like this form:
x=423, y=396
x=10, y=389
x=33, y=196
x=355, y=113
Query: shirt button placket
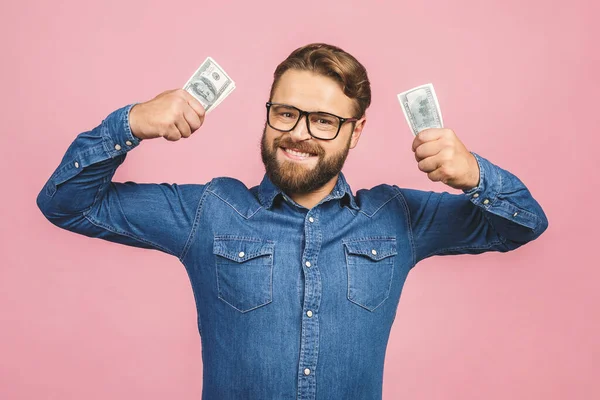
x=312, y=298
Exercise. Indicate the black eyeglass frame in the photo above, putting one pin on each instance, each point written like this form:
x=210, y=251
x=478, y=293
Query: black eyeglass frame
x=307, y=113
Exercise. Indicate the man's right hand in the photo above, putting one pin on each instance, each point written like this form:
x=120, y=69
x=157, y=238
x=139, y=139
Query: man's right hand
x=173, y=114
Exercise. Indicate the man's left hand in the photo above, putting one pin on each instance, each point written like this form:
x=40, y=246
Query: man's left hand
x=445, y=158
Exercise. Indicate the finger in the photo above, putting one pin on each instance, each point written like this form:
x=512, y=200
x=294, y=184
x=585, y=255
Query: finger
x=416, y=143
x=436, y=176
x=427, y=135
x=195, y=104
x=183, y=127
x=428, y=149
x=192, y=119
x=429, y=164
x=172, y=133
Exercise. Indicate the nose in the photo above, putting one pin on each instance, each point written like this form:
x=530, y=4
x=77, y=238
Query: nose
x=300, y=132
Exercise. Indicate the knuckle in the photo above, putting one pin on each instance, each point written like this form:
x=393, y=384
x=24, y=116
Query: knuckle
x=176, y=94
x=446, y=170
x=447, y=153
x=448, y=142
x=178, y=103
x=196, y=126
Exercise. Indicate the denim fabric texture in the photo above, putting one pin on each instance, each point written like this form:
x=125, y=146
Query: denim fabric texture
x=292, y=303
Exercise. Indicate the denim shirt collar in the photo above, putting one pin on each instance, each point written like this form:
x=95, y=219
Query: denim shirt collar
x=268, y=192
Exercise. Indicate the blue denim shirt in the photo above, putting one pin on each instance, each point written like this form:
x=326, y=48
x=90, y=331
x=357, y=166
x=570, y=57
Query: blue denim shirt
x=292, y=303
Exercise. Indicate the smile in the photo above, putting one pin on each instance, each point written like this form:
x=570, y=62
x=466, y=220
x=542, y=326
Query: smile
x=296, y=155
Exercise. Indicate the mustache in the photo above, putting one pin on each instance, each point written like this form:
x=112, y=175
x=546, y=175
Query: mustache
x=303, y=147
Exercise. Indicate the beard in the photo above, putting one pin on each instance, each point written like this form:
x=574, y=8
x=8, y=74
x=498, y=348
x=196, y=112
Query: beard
x=295, y=178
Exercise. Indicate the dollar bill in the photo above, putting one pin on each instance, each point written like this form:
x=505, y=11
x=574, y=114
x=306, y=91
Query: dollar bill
x=210, y=84
x=421, y=108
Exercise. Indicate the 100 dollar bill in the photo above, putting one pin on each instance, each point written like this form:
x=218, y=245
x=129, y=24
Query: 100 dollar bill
x=421, y=108
x=210, y=84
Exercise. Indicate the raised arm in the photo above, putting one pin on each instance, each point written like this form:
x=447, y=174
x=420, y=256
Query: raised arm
x=81, y=197
x=496, y=212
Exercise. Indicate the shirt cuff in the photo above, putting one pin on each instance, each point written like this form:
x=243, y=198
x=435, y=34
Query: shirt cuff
x=118, y=138
x=490, y=184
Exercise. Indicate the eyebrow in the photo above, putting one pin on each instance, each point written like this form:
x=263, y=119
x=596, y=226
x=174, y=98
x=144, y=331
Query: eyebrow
x=300, y=108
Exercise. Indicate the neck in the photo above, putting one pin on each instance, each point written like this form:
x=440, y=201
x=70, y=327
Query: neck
x=309, y=200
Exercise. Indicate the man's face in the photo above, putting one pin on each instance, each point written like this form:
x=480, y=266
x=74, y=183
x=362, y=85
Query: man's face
x=322, y=160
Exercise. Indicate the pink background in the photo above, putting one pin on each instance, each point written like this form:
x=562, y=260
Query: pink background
x=517, y=81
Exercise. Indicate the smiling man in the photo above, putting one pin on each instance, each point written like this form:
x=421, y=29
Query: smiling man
x=297, y=280
x=307, y=169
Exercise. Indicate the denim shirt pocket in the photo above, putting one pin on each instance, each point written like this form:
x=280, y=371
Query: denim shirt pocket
x=244, y=271
x=370, y=266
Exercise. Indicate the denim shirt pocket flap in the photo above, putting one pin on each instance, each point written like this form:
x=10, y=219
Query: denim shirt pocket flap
x=375, y=249
x=241, y=249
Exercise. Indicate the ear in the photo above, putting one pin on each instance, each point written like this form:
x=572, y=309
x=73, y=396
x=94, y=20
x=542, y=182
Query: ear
x=358, y=127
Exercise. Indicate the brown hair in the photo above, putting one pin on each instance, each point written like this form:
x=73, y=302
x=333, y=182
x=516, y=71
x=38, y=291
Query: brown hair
x=331, y=61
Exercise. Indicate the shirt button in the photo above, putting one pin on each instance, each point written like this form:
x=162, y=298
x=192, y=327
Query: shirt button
x=242, y=254
x=476, y=195
x=374, y=252
x=128, y=143
x=76, y=164
x=311, y=219
x=308, y=264
x=306, y=371
x=515, y=214
x=309, y=314
x=117, y=147
x=486, y=201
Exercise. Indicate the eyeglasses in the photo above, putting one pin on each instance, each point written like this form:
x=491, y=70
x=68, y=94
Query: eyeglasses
x=320, y=125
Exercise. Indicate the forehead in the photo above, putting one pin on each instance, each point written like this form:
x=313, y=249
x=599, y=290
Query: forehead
x=312, y=92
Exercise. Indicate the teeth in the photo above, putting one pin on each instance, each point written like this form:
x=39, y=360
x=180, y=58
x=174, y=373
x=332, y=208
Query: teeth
x=297, y=153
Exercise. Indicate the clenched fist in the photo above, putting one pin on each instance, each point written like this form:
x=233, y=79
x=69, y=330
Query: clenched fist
x=173, y=115
x=445, y=158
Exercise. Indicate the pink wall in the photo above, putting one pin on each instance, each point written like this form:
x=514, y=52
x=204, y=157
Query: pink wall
x=517, y=80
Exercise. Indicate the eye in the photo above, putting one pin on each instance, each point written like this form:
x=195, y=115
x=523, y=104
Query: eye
x=283, y=112
x=323, y=121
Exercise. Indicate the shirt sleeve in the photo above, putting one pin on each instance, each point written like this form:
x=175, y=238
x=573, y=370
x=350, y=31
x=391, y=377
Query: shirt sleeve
x=499, y=214
x=81, y=197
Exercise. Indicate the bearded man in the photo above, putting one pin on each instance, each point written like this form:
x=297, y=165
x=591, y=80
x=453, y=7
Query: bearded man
x=296, y=280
